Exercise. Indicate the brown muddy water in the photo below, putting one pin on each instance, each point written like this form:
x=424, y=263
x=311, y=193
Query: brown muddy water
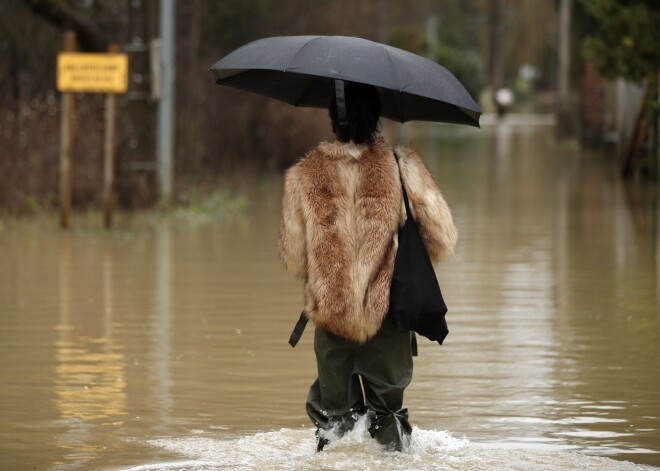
x=166, y=347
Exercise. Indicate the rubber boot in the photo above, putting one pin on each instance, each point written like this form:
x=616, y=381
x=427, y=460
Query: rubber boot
x=392, y=430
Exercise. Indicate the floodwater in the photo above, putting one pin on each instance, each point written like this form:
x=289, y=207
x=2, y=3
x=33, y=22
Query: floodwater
x=165, y=346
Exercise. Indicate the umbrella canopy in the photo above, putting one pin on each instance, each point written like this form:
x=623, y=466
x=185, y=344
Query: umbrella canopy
x=301, y=70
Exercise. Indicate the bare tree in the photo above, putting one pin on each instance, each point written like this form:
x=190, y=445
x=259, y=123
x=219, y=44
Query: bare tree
x=91, y=35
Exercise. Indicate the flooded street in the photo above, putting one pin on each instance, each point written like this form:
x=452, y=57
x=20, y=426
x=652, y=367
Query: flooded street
x=166, y=347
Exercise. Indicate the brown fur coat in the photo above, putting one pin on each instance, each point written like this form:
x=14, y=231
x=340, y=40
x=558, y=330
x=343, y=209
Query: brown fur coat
x=341, y=212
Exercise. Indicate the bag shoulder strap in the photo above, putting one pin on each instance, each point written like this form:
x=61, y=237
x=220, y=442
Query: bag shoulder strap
x=403, y=187
x=413, y=337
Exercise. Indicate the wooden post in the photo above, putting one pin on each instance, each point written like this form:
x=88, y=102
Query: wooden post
x=109, y=151
x=66, y=144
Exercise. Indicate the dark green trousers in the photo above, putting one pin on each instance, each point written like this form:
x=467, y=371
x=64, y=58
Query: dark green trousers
x=356, y=379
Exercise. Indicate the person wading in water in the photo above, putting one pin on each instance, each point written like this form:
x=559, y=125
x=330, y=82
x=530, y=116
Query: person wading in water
x=341, y=211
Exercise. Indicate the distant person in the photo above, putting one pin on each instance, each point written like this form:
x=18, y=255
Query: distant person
x=342, y=209
x=503, y=100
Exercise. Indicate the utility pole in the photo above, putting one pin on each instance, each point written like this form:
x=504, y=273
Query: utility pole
x=165, y=131
x=496, y=53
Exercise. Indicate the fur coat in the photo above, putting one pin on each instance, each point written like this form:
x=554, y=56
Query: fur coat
x=341, y=211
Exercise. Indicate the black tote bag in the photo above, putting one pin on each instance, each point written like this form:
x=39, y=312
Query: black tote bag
x=416, y=302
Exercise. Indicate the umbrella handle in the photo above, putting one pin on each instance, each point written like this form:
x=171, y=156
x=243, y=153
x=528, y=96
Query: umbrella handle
x=342, y=114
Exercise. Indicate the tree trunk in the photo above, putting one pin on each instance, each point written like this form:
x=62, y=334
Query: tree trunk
x=565, y=112
x=194, y=85
x=632, y=158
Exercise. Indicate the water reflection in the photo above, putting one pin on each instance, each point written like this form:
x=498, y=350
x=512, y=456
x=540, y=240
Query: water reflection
x=161, y=328
x=90, y=371
x=90, y=380
x=89, y=383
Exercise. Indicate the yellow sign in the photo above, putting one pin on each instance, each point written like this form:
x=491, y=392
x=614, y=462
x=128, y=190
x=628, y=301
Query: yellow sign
x=93, y=73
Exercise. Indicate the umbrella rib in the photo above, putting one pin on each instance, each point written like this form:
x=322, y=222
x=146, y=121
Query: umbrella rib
x=302, y=96
x=387, y=53
x=299, y=51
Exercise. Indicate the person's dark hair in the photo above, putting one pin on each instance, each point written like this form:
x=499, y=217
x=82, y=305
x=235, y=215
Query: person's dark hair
x=363, y=109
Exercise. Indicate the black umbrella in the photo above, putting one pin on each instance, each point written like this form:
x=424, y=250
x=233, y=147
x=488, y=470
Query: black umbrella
x=306, y=71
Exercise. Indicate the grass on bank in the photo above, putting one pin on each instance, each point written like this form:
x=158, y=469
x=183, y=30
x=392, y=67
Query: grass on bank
x=191, y=208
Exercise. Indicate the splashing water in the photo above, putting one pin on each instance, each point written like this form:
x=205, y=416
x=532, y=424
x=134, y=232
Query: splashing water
x=295, y=449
